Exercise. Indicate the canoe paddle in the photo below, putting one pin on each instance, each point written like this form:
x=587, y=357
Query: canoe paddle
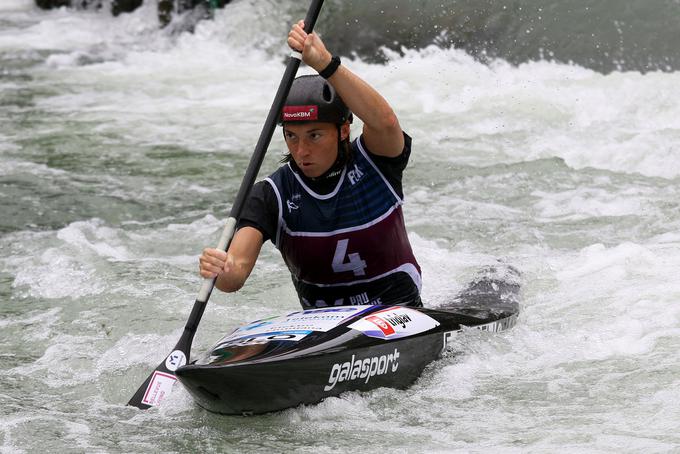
x=159, y=384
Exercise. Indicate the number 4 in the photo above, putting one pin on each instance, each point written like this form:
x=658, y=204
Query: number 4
x=354, y=264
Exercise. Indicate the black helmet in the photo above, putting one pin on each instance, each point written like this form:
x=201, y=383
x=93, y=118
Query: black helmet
x=312, y=98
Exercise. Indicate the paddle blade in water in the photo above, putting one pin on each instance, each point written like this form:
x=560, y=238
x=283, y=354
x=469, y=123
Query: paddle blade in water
x=159, y=384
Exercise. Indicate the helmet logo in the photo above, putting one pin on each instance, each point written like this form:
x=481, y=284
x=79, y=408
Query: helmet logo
x=300, y=113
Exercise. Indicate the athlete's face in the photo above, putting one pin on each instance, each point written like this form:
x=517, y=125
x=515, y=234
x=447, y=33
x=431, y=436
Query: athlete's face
x=313, y=145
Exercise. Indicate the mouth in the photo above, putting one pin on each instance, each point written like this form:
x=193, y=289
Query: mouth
x=309, y=169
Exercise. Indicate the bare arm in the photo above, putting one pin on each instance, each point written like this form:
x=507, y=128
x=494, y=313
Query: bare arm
x=233, y=267
x=382, y=132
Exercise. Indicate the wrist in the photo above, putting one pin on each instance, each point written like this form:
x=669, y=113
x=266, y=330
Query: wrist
x=323, y=62
x=330, y=68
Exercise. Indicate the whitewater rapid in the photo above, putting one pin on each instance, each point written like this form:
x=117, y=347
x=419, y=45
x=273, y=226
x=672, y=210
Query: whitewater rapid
x=121, y=150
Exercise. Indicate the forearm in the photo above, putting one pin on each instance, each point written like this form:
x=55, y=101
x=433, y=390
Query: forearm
x=382, y=132
x=363, y=100
x=233, y=267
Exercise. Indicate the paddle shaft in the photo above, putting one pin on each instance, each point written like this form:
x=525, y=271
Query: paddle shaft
x=159, y=382
x=255, y=163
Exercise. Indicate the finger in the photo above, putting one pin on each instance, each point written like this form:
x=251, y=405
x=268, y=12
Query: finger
x=211, y=263
x=310, y=41
x=213, y=257
x=204, y=270
x=209, y=271
x=299, y=30
x=207, y=274
x=214, y=254
x=298, y=36
x=295, y=44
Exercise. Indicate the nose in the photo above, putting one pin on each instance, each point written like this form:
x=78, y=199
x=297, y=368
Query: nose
x=302, y=148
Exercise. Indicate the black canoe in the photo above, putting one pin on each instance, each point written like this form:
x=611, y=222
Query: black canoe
x=304, y=357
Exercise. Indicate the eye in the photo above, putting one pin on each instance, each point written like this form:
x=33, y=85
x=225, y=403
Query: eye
x=288, y=135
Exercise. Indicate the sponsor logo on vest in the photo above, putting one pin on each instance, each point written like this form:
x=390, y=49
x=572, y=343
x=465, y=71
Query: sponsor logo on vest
x=291, y=203
x=322, y=303
x=355, y=175
x=359, y=299
x=300, y=113
x=332, y=310
x=366, y=368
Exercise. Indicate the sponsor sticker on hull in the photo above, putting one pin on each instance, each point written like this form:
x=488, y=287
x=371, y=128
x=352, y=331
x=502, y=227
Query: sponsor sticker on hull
x=363, y=369
x=498, y=325
x=159, y=387
x=394, y=323
x=494, y=327
x=294, y=326
x=263, y=338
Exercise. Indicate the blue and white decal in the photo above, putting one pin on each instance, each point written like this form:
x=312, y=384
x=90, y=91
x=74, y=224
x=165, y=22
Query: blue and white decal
x=263, y=338
x=292, y=327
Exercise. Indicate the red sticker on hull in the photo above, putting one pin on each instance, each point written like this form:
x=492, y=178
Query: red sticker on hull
x=382, y=324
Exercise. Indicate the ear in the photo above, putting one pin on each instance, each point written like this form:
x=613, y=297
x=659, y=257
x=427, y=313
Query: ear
x=344, y=132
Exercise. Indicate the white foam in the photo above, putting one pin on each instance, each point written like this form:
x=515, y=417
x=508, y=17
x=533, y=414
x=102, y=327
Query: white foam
x=80, y=259
x=591, y=317
x=96, y=237
x=13, y=167
x=58, y=276
x=597, y=258
x=208, y=224
x=59, y=272
x=65, y=362
x=610, y=302
x=35, y=326
x=16, y=5
x=463, y=111
x=78, y=433
x=346, y=407
x=470, y=113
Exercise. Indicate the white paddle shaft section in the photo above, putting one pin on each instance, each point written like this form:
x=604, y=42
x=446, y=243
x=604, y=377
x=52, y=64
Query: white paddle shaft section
x=225, y=239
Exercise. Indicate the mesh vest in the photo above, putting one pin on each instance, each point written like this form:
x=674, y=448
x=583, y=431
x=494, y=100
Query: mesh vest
x=349, y=246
